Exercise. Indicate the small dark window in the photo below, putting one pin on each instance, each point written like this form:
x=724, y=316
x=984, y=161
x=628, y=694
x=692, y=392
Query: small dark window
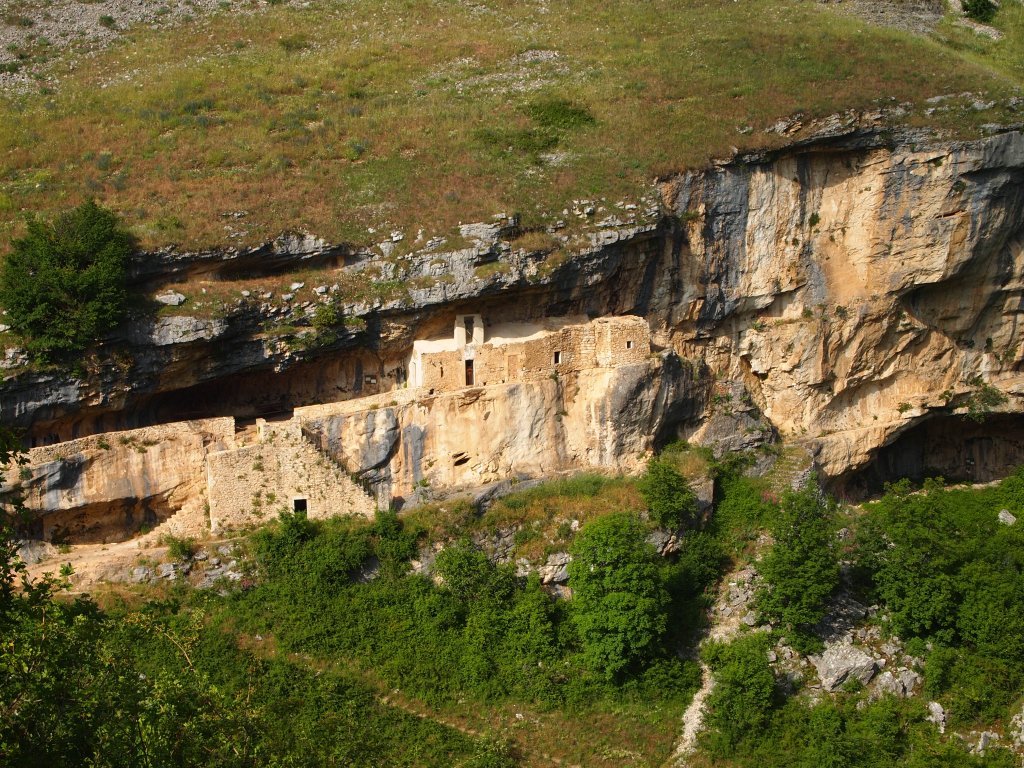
x=469, y=373
x=629, y=345
x=299, y=505
x=558, y=358
x=468, y=322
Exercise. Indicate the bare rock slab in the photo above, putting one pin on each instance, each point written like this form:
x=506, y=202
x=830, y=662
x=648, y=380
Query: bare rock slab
x=842, y=662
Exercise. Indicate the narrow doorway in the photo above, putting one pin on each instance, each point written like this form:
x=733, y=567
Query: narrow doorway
x=299, y=505
x=469, y=373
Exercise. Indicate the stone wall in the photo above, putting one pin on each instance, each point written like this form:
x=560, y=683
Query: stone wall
x=571, y=348
x=252, y=484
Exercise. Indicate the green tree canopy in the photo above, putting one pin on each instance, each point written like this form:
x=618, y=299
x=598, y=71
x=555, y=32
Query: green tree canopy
x=801, y=570
x=63, y=284
x=620, y=604
x=668, y=495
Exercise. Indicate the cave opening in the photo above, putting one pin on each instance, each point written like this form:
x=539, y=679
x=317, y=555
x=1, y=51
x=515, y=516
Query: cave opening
x=955, y=448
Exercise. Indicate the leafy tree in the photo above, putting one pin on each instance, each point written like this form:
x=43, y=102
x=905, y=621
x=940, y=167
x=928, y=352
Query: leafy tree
x=668, y=496
x=63, y=284
x=619, y=601
x=801, y=570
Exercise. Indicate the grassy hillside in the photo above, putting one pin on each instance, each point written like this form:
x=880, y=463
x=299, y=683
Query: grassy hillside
x=342, y=117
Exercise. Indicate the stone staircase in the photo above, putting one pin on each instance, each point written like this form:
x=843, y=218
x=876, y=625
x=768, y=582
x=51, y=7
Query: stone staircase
x=791, y=470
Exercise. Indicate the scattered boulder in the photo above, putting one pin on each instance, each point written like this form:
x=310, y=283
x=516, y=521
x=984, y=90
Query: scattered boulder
x=664, y=542
x=937, y=715
x=900, y=683
x=841, y=662
x=424, y=561
x=704, y=490
x=556, y=569
x=1015, y=732
x=171, y=298
x=499, y=544
x=182, y=330
x=32, y=551
x=141, y=574
x=168, y=570
x=843, y=616
x=985, y=740
x=1006, y=518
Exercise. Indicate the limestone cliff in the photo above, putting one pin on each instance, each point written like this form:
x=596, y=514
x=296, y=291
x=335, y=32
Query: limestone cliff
x=855, y=291
x=858, y=290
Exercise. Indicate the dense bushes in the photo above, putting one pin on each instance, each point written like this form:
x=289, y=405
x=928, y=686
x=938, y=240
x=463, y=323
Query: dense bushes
x=980, y=10
x=63, y=284
x=950, y=574
x=156, y=686
x=484, y=633
x=845, y=732
x=620, y=607
x=801, y=570
x=739, y=707
x=669, y=498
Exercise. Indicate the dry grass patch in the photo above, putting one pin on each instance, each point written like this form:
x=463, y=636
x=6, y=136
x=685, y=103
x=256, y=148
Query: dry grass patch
x=340, y=117
x=548, y=516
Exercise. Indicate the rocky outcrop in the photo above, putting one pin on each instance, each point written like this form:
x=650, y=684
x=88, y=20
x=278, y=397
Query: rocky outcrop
x=840, y=663
x=856, y=288
x=599, y=418
x=107, y=488
x=843, y=292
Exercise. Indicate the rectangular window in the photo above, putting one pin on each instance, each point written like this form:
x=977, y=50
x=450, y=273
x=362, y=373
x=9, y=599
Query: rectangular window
x=629, y=345
x=299, y=505
x=557, y=358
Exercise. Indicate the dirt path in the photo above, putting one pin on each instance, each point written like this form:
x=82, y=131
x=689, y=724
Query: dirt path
x=726, y=618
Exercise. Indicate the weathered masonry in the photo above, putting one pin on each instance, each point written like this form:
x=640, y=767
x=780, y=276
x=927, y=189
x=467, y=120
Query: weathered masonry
x=187, y=477
x=481, y=354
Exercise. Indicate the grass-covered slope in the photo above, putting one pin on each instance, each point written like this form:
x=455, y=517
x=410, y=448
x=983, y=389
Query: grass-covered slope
x=341, y=116
x=335, y=649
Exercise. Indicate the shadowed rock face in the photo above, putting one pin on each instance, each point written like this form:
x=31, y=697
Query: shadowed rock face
x=103, y=522
x=846, y=290
x=952, y=447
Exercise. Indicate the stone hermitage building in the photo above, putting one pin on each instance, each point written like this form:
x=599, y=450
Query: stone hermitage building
x=184, y=478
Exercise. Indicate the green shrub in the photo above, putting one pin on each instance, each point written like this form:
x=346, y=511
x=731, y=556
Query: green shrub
x=619, y=602
x=470, y=575
x=742, y=512
x=63, y=284
x=559, y=115
x=701, y=560
x=179, y=548
x=980, y=10
x=669, y=498
x=801, y=570
x=739, y=707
